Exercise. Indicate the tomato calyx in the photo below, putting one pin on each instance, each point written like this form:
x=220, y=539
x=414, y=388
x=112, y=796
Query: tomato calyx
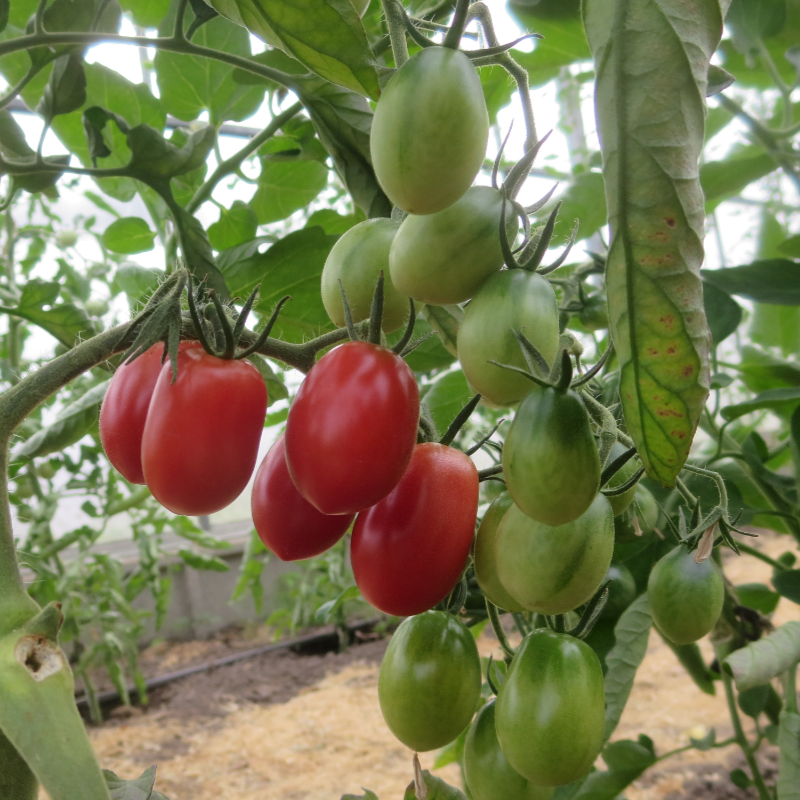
x=213, y=326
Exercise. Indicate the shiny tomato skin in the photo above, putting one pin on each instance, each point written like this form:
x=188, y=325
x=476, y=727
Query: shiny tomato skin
x=287, y=524
x=550, y=459
x=553, y=570
x=124, y=411
x=685, y=598
x=430, y=130
x=357, y=259
x=430, y=680
x=485, y=567
x=488, y=773
x=202, y=433
x=444, y=258
x=510, y=300
x=352, y=428
x=550, y=709
x=409, y=550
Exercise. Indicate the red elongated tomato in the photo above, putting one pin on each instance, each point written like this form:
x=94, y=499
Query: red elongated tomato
x=352, y=428
x=409, y=550
x=287, y=524
x=201, y=437
x=124, y=410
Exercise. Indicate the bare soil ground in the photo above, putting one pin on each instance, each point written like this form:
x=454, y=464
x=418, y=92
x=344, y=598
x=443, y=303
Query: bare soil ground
x=284, y=726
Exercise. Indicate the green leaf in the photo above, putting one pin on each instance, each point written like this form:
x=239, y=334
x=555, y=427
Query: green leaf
x=761, y=370
x=753, y=701
x=135, y=280
x=788, y=584
x=129, y=235
x=250, y=572
x=790, y=247
x=326, y=611
x=134, y=102
x=234, y=226
x=691, y=659
x=333, y=223
x=774, y=280
x=199, y=537
x=5, y=8
x=71, y=425
x=647, y=54
x=437, y=789
x=197, y=252
x=585, y=201
x=794, y=432
x=759, y=662
x=726, y=178
x=66, y=90
x=153, y=157
x=368, y=795
x=789, y=763
x=564, y=43
x=140, y=788
x=626, y=761
x=286, y=186
x=724, y=314
x=146, y=13
x=780, y=400
x=343, y=120
x=12, y=138
x=198, y=561
x=632, y=632
x=776, y=326
x=758, y=596
x=498, y=87
x=445, y=320
x=431, y=354
x=453, y=753
x=276, y=388
x=65, y=321
x=752, y=20
x=190, y=85
x=446, y=396
x=293, y=266
x=243, y=265
x=327, y=37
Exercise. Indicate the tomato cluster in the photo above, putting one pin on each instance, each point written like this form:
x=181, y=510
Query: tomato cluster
x=193, y=441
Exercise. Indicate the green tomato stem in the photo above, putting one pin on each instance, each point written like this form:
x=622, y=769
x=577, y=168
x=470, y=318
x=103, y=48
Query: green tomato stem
x=494, y=618
x=397, y=31
x=790, y=690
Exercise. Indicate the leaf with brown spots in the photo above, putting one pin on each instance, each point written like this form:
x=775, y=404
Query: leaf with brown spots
x=652, y=61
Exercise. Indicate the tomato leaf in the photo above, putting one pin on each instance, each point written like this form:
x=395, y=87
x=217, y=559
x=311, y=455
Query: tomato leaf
x=235, y=225
x=759, y=662
x=774, y=280
x=437, y=789
x=632, y=633
x=758, y=596
x=626, y=761
x=326, y=611
x=327, y=37
x=199, y=561
x=774, y=399
x=276, y=388
x=129, y=235
x=691, y=659
x=787, y=583
x=789, y=764
x=71, y=425
x=722, y=179
x=66, y=90
x=446, y=396
x=293, y=266
x=646, y=55
x=286, y=186
x=140, y=788
x=724, y=314
x=368, y=795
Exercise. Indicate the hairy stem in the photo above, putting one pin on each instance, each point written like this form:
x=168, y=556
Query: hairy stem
x=397, y=31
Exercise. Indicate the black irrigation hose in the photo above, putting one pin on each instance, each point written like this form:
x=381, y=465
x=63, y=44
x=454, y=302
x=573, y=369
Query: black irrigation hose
x=113, y=696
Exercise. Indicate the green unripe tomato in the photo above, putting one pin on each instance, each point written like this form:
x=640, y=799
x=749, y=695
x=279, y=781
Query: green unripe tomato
x=48, y=469
x=357, y=259
x=430, y=680
x=594, y=315
x=550, y=459
x=96, y=307
x=620, y=502
x=485, y=570
x=621, y=591
x=685, y=598
x=647, y=509
x=510, y=300
x=550, y=709
x=24, y=488
x=444, y=258
x=554, y=570
x=430, y=130
x=66, y=239
x=488, y=773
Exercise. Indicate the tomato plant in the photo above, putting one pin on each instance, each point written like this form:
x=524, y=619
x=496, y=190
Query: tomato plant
x=202, y=432
x=525, y=302
x=549, y=715
x=409, y=550
x=287, y=523
x=430, y=680
x=345, y=456
x=429, y=134
x=686, y=597
x=552, y=570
